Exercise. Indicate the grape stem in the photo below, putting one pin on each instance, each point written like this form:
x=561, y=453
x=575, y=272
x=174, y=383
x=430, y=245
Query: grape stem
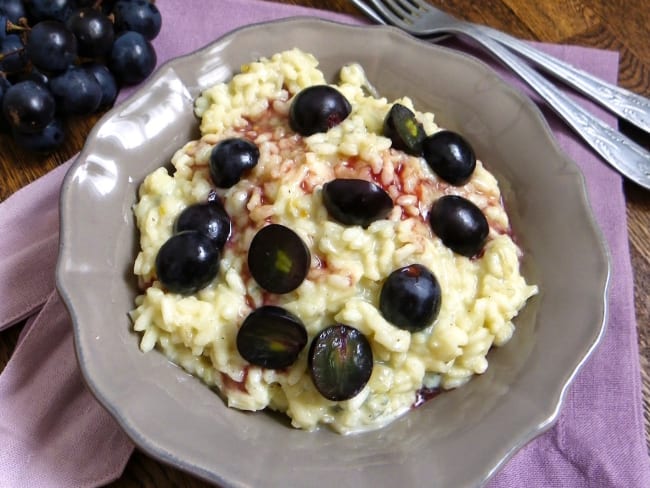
x=9, y=53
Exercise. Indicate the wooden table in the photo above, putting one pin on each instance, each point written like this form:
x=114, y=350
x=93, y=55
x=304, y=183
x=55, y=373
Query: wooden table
x=621, y=25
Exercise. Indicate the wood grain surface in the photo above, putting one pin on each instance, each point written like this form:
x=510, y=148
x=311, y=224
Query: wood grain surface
x=621, y=25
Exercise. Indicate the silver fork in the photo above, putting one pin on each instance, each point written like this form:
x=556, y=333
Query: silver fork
x=412, y=16
x=624, y=103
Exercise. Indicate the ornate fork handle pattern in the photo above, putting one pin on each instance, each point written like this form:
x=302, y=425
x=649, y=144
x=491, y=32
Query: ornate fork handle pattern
x=629, y=158
x=625, y=155
x=628, y=105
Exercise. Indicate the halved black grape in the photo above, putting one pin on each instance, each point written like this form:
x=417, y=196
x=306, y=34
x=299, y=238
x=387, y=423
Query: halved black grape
x=460, y=224
x=28, y=106
x=187, y=262
x=51, y=46
x=93, y=30
x=138, y=15
x=278, y=259
x=318, y=108
x=76, y=91
x=44, y=141
x=450, y=155
x=340, y=362
x=132, y=58
x=404, y=130
x=271, y=337
x=410, y=298
x=230, y=159
x=209, y=218
x=356, y=202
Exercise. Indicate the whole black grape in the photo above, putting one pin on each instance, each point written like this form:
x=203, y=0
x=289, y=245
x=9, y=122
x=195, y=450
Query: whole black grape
x=410, y=298
x=139, y=16
x=28, y=106
x=460, y=224
x=210, y=218
x=132, y=58
x=187, y=262
x=39, y=10
x=450, y=156
x=93, y=30
x=318, y=108
x=106, y=81
x=13, y=10
x=76, y=91
x=230, y=159
x=44, y=141
x=356, y=202
x=51, y=46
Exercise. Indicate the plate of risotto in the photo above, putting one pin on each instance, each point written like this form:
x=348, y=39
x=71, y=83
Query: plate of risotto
x=311, y=263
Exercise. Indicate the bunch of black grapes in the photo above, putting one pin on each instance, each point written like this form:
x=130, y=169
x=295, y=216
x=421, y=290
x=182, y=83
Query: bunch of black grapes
x=69, y=57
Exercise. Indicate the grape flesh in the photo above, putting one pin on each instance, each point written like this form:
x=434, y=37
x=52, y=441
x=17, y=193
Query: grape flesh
x=410, y=298
x=76, y=91
x=271, y=337
x=187, y=262
x=278, y=259
x=318, y=108
x=132, y=58
x=340, y=362
x=28, y=106
x=138, y=15
x=460, y=224
x=51, y=46
x=404, y=130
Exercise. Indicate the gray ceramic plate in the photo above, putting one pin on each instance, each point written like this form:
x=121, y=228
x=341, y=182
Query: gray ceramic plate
x=459, y=439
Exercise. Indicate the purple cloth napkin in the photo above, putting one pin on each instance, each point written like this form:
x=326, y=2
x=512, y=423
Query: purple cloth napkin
x=54, y=434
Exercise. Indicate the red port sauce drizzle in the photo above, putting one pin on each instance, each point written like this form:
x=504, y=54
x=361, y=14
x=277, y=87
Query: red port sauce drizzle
x=404, y=180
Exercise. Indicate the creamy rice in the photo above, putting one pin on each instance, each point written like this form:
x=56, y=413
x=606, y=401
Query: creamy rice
x=480, y=296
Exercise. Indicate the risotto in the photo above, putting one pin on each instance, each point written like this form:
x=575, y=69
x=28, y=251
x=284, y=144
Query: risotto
x=347, y=265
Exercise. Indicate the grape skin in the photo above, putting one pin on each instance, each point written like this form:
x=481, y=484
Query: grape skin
x=132, y=58
x=138, y=16
x=106, y=81
x=12, y=57
x=44, y=141
x=93, y=30
x=13, y=9
x=28, y=106
x=51, y=46
x=76, y=91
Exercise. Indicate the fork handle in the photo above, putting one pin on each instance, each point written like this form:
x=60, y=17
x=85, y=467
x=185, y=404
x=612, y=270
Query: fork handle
x=622, y=153
x=622, y=102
